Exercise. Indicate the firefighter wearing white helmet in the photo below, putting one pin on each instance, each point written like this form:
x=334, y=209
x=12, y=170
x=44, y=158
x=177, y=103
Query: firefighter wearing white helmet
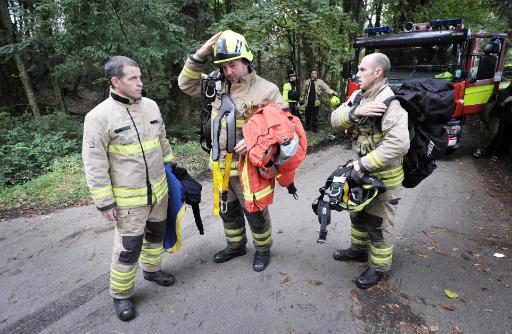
x=246, y=89
x=382, y=141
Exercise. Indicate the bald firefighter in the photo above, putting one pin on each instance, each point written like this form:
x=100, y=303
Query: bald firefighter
x=382, y=139
x=238, y=83
x=124, y=149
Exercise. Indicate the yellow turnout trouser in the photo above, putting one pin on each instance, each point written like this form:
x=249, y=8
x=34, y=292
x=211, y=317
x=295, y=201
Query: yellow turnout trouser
x=373, y=229
x=139, y=233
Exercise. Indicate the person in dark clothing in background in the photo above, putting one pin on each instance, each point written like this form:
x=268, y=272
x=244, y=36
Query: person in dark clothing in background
x=311, y=90
x=496, y=122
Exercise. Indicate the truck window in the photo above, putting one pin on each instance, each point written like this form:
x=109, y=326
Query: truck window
x=484, y=61
x=441, y=61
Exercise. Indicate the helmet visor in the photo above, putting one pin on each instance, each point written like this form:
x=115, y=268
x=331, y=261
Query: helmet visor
x=225, y=51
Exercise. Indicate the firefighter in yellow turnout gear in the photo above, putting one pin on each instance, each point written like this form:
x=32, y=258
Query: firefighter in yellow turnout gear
x=381, y=142
x=124, y=148
x=246, y=90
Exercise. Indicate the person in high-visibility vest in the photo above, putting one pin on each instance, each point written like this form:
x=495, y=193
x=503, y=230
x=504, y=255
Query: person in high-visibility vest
x=124, y=150
x=291, y=94
x=242, y=89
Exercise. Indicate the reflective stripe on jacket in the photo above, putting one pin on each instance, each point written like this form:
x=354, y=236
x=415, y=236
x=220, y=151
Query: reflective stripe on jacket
x=123, y=138
x=391, y=138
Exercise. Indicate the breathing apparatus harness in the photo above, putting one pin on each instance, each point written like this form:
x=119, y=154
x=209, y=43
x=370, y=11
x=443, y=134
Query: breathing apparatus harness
x=345, y=191
x=211, y=87
x=227, y=111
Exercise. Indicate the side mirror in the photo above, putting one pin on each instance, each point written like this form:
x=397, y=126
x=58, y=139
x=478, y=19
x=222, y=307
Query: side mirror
x=347, y=70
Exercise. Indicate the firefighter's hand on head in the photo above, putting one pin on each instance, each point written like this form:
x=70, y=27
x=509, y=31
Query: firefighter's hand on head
x=240, y=147
x=205, y=50
x=110, y=214
x=371, y=109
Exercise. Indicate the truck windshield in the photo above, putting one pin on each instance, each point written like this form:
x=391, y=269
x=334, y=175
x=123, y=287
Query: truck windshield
x=433, y=61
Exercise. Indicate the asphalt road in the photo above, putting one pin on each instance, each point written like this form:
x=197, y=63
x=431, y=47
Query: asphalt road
x=54, y=268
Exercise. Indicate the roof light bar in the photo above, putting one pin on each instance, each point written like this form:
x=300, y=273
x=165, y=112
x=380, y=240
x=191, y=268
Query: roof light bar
x=378, y=29
x=449, y=22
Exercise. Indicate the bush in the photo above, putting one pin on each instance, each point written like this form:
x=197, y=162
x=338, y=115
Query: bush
x=183, y=132
x=63, y=183
x=30, y=146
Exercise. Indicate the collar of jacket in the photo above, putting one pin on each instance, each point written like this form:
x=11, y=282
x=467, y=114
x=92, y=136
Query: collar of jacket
x=122, y=99
x=375, y=89
x=249, y=78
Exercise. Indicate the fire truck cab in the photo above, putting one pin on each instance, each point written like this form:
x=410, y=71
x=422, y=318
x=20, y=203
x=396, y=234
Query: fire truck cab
x=440, y=49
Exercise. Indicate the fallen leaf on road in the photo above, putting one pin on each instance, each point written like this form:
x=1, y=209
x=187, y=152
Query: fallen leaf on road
x=457, y=330
x=392, y=306
x=353, y=296
x=477, y=267
x=451, y=294
x=421, y=255
x=24, y=324
x=432, y=245
x=313, y=281
x=316, y=267
x=501, y=277
x=448, y=307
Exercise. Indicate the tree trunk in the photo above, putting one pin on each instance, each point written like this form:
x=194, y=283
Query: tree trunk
x=25, y=80
x=308, y=53
x=258, y=57
x=228, y=6
x=378, y=13
x=5, y=22
x=217, y=10
x=56, y=89
x=76, y=84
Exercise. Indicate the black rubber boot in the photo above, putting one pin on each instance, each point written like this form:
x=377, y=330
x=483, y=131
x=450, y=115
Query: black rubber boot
x=479, y=153
x=261, y=260
x=350, y=255
x=125, y=309
x=160, y=277
x=228, y=253
x=369, y=278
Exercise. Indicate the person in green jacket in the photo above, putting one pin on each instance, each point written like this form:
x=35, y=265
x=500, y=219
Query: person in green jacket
x=291, y=93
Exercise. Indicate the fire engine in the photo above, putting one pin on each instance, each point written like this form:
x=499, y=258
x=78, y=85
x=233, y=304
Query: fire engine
x=440, y=49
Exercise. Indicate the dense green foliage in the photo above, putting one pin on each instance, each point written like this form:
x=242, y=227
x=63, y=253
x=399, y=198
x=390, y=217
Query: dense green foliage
x=29, y=146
